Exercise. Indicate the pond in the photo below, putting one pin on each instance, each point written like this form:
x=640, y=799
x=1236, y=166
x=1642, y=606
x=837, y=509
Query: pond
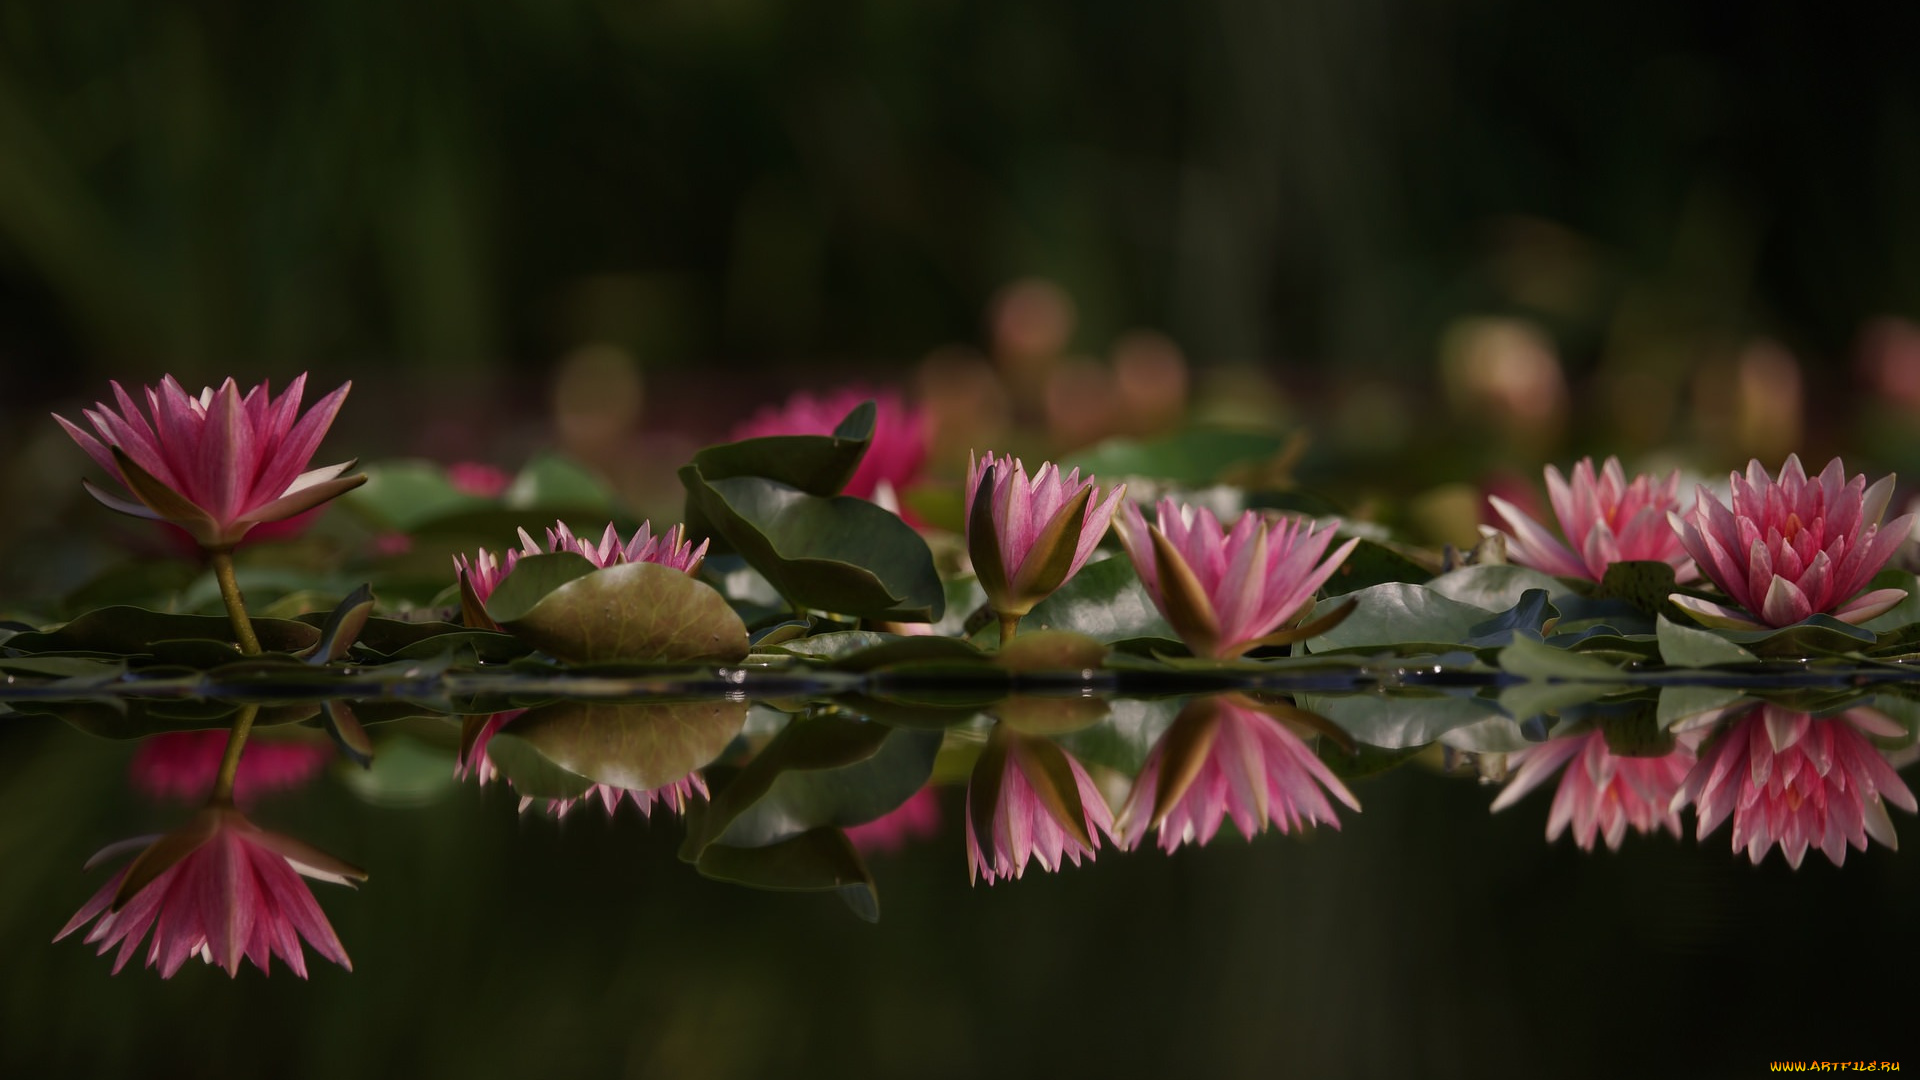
x=1018, y=776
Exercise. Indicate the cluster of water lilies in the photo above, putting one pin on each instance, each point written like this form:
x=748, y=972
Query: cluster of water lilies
x=1784, y=549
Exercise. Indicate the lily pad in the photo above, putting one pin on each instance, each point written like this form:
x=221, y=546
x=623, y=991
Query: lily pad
x=1690, y=647
x=632, y=611
x=1104, y=601
x=134, y=630
x=1399, y=616
x=836, y=554
x=1372, y=563
x=816, y=464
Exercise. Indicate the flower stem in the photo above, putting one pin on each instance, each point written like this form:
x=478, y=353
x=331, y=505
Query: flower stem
x=236, y=605
x=1009, y=625
x=230, y=761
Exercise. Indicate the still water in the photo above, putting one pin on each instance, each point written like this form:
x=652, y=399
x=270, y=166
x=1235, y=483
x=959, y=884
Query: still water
x=1056, y=883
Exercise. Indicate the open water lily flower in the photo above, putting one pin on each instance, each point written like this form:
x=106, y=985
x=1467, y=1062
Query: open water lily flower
x=1602, y=794
x=1227, y=757
x=1796, y=781
x=895, y=455
x=1028, y=535
x=1793, y=547
x=1029, y=800
x=1606, y=519
x=218, y=463
x=221, y=888
x=1225, y=590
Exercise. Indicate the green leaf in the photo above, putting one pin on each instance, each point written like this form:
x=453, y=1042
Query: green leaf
x=1051, y=650
x=835, y=554
x=135, y=630
x=816, y=464
x=640, y=746
x=404, y=495
x=1645, y=584
x=1192, y=458
x=1904, y=614
x=1496, y=587
x=555, y=482
x=531, y=579
x=1818, y=635
x=1373, y=563
x=1396, y=615
x=1105, y=601
x=632, y=611
x=1531, y=659
x=342, y=627
x=817, y=860
x=1688, y=647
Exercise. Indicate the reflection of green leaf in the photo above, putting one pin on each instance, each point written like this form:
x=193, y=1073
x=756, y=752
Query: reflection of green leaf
x=1104, y=601
x=821, y=771
x=1398, y=721
x=135, y=718
x=1397, y=615
x=632, y=611
x=814, y=861
x=834, y=554
x=640, y=746
x=533, y=774
x=1689, y=647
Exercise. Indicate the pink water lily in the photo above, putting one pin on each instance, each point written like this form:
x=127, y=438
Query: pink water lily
x=181, y=765
x=1028, y=535
x=1227, y=757
x=1029, y=800
x=895, y=455
x=1602, y=794
x=220, y=888
x=1225, y=590
x=1793, y=547
x=1605, y=518
x=218, y=463
x=484, y=571
x=1790, y=779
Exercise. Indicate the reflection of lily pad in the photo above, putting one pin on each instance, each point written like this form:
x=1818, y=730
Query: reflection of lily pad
x=642, y=746
x=817, y=860
x=821, y=771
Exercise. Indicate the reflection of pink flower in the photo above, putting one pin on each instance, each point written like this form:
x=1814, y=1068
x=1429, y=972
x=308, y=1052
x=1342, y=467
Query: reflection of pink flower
x=478, y=479
x=220, y=888
x=916, y=819
x=1231, y=760
x=1606, y=519
x=893, y=458
x=485, y=571
x=1792, y=780
x=1793, y=547
x=1024, y=559
x=1601, y=793
x=216, y=464
x=1021, y=823
x=180, y=765
x=475, y=763
x=1222, y=590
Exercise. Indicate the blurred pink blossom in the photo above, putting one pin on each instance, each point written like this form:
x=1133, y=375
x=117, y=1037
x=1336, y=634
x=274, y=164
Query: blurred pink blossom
x=180, y=765
x=916, y=819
